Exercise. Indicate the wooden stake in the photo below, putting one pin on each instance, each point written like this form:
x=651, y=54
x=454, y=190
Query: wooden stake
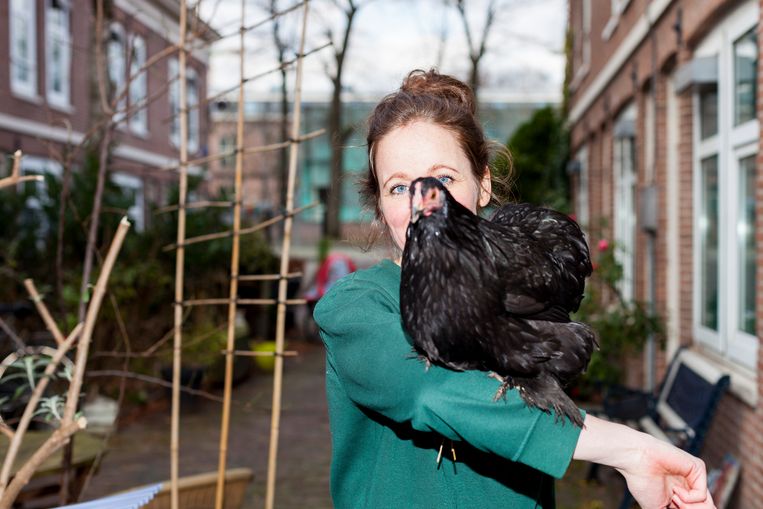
x=286, y=245
x=15, y=178
x=43, y=310
x=234, y=267
x=179, y=264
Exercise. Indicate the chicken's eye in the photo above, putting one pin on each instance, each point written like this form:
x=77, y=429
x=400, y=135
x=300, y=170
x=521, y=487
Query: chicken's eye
x=445, y=179
x=398, y=189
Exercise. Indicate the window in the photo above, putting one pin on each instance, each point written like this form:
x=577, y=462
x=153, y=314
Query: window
x=23, y=48
x=581, y=193
x=132, y=189
x=35, y=216
x=725, y=150
x=581, y=42
x=624, y=175
x=138, y=87
x=745, y=78
x=192, y=101
x=117, y=61
x=227, y=144
x=57, y=52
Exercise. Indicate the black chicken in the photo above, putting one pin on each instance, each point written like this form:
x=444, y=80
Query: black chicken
x=496, y=295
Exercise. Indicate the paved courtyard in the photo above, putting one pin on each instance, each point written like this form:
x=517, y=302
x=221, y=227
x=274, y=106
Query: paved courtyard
x=139, y=452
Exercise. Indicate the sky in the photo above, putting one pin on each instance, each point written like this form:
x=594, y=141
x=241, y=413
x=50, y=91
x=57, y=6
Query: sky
x=524, y=57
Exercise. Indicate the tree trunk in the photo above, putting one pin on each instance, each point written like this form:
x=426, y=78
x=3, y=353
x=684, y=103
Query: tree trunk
x=337, y=135
x=334, y=205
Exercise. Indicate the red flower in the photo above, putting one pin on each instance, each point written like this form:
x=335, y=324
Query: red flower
x=594, y=265
x=603, y=245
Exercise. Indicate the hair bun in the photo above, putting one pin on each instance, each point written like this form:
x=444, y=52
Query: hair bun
x=432, y=83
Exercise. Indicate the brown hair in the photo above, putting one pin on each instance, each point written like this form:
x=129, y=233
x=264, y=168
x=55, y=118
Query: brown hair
x=437, y=98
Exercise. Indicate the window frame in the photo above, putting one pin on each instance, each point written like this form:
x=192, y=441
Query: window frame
x=625, y=199
x=27, y=89
x=731, y=144
x=193, y=132
x=117, y=74
x=138, y=86
x=54, y=33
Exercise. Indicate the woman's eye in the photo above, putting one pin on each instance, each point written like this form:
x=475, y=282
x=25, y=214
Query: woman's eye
x=445, y=179
x=399, y=189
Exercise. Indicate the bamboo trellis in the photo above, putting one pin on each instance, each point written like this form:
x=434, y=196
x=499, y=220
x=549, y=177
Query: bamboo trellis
x=233, y=302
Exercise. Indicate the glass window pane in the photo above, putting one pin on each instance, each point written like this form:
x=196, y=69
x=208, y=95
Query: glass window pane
x=745, y=70
x=708, y=228
x=746, y=243
x=708, y=111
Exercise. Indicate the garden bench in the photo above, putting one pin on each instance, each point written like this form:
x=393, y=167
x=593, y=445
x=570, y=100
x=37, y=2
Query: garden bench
x=680, y=413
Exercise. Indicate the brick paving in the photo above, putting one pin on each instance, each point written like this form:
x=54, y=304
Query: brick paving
x=139, y=452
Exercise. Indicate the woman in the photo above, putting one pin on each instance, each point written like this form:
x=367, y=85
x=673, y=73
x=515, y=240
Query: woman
x=407, y=437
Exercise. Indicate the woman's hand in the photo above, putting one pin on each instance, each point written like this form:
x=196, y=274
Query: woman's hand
x=658, y=474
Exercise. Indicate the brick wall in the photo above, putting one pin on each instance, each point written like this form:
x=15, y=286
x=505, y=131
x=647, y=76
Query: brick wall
x=738, y=426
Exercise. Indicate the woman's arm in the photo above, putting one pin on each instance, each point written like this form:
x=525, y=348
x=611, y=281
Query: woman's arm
x=658, y=474
x=370, y=361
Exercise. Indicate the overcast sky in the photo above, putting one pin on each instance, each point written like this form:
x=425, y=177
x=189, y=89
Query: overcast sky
x=390, y=37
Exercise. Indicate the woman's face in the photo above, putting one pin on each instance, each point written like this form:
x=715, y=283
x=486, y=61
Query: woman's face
x=423, y=149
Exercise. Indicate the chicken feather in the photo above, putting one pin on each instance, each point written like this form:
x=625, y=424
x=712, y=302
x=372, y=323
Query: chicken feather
x=496, y=295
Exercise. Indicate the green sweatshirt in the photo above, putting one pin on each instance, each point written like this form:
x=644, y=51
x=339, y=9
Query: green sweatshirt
x=390, y=415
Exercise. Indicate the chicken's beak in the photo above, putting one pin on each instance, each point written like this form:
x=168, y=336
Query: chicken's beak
x=424, y=202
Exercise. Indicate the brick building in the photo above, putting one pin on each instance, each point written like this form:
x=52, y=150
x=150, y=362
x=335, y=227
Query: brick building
x=664, y=110
x=49, y=102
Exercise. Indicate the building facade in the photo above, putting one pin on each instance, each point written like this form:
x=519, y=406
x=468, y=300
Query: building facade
x=50, y=91
x=665, y=111
x=500, y=117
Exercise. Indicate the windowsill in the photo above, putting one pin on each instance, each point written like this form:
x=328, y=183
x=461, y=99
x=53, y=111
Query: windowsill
x=139, y=132
x=25, y=96
x=63, y=108
x=743, y=380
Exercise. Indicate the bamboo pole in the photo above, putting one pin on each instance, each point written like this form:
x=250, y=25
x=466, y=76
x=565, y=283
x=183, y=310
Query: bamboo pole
x=269, y=277
x=285, y=251
x=234, y=267
x=14, y=177
x=252, y=150
x=179, y=264
x=242, y=231
x=242, y=302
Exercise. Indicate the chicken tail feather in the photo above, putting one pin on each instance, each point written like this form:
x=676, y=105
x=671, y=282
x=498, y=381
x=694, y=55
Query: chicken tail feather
x=546, y=394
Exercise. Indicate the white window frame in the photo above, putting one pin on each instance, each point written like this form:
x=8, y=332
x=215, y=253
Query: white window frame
x=116, y=54
x=58, y=34
x=731, y=144
x=624, y=182
x=138, y=87
x=136, y=211
x=23, y=16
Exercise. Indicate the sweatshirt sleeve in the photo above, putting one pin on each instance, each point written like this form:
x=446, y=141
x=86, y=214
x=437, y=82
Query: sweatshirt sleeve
x=377, y=367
